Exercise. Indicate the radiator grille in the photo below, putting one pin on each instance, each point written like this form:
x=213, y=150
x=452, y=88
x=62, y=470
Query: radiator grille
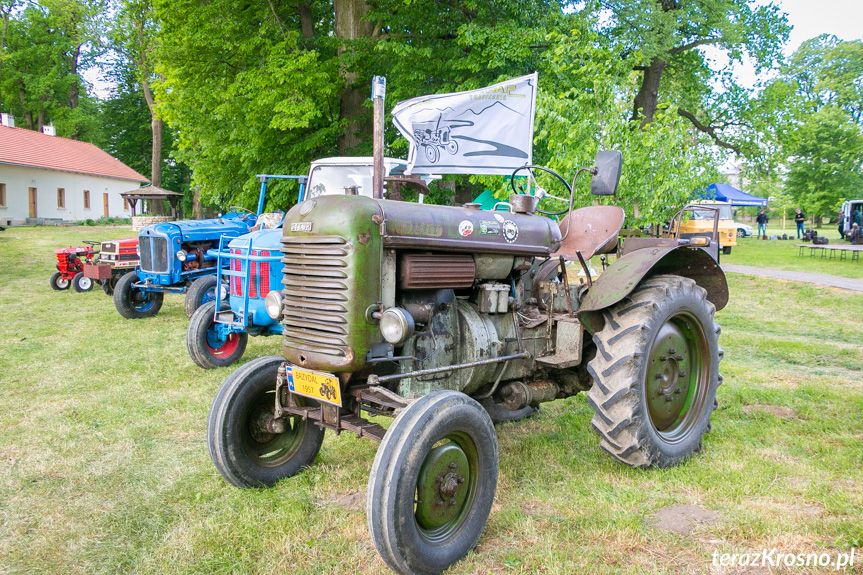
x=154, y=254
x=259, y=275
x=316, y=295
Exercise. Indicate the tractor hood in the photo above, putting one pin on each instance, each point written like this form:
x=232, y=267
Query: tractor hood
x=261, y=240
x=194, y=230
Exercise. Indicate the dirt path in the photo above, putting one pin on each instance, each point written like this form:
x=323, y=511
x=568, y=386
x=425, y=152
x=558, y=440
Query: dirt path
x=821, y=279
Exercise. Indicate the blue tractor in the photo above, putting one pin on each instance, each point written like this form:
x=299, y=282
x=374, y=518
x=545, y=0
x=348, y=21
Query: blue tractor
x=251, y=266
x=178, y=257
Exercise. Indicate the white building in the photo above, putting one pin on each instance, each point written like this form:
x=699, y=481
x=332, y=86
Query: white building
x=44, y=177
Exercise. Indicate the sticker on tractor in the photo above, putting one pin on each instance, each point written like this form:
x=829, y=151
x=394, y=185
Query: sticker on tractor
x=301, y=226
x=465, y=228
x=510, y=231
x=498, y=217
x=314, y=384
x=489, y=228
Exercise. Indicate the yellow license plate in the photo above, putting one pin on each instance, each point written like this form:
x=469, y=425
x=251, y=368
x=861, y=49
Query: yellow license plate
x=321, y=386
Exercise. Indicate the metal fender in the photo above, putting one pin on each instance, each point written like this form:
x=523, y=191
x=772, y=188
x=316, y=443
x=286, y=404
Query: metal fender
x=624, y=275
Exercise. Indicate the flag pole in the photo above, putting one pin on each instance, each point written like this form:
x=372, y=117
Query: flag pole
x=379, y=90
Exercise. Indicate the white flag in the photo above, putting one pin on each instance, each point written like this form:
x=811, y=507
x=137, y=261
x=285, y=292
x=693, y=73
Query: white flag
x=484, y=131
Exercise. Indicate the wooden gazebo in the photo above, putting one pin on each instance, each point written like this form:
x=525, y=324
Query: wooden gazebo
x=152, y=193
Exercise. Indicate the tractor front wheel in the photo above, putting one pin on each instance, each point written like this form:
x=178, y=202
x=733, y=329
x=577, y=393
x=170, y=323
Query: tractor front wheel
x=133, y=303
x=205, y=347
x=58, y=282
x=243, y=437
x=655, y=373
x=201, y=291
x=81, y=283
x=432, y=483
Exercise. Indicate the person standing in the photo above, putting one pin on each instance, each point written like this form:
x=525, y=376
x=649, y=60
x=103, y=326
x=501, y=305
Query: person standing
x=857, y=217
x=761, y=219
x=800, y=219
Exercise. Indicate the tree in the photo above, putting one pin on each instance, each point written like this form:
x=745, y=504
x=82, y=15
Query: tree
x=46, y=47
x=662, y=41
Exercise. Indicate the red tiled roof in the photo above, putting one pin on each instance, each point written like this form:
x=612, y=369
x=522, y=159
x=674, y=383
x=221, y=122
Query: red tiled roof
x=28, y=148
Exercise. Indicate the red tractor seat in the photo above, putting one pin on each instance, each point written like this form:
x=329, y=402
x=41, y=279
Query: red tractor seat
x=592, y=230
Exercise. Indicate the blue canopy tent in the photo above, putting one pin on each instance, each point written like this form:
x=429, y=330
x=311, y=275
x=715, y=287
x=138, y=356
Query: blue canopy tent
x=730, y=194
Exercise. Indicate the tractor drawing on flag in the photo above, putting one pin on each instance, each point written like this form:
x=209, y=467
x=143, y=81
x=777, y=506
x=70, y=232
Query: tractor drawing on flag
x=431, y=136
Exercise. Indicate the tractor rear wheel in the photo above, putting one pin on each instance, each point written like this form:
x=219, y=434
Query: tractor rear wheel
x=201, y=291
x=133, y=303
x=58, y=282
x=205, y=347
x=655, y=373
x=242, y=443
x=432, y=483
x=81, y=283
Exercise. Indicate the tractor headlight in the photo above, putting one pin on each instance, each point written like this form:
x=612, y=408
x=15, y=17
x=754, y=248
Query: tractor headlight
x=397, y=325
x=182, y=255
x=273, y=303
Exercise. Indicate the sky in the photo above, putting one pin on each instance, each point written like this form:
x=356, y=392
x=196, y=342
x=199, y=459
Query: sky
x=808, y=18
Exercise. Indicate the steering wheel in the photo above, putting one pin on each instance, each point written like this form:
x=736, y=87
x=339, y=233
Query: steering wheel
x=244, y=213
x=530, y=169
x=91, y=243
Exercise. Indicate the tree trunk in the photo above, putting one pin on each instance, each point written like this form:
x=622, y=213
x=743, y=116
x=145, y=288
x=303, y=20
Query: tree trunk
x=197, y=208
x=157, y=208
x=307, y=25
x=645, y=101
x=73, y=86
x=28, y=115
x=349, y=25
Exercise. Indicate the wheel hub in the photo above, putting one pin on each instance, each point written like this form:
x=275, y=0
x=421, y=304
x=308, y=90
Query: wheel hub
x=668, y=376
x=441, y=492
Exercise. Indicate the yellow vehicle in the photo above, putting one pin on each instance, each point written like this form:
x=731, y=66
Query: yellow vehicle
x=700, y=223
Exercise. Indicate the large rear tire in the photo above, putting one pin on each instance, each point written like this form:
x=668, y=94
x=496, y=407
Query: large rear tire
x=133, y=303
x=655, y=373
x=243, y=450
x=432, y=483
x=203, y=343
x=201, y=291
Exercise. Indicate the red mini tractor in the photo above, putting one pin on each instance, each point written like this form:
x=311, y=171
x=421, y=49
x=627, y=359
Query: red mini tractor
x=116, y=259
x=70, y=267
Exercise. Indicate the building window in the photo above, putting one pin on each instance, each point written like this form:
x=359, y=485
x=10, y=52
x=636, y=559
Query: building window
x=2, y=195
x=61, y=198
x=86, y=199
x=125, y=205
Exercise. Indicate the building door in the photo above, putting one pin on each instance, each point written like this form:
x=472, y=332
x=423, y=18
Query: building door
x=32, y=202
x=105, y=203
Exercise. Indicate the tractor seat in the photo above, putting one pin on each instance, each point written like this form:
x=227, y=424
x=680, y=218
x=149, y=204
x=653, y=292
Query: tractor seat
x=592, y=230
x=268, y=221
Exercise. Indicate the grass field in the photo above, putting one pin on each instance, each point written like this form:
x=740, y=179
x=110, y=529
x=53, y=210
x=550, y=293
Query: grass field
x=104, y=465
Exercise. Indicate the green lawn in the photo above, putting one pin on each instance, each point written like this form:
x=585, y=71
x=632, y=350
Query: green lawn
x=104, y=465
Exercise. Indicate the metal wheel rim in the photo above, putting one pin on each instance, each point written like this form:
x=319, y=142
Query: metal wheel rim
x=269, y=449
x=85, y=283
x=451, y=526
x=141, y=301
x=218, y=347
x=62, y=283
x=675, y=414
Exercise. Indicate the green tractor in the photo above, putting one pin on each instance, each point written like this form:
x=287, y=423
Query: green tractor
x=451, y=319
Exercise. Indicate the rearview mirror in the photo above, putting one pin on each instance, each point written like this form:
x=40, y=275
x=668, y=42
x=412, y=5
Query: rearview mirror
x=604, y=181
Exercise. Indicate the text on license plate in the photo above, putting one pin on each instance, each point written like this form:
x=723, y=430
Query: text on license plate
x=314, y=384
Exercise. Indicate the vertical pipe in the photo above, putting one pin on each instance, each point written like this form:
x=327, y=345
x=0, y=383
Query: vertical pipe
x=262, y=194
x=379, y=90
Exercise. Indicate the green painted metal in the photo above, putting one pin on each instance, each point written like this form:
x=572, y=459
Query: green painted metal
x=440, y=496
x=355, y=220
x=446, y=487
x=624, y=275
x=677, y=378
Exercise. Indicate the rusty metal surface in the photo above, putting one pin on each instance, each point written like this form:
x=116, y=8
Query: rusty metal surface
x=632, y=244
x=591, y=230
x=623, y=276
x=436, y=271
x=461, y=229
x=377, y=380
